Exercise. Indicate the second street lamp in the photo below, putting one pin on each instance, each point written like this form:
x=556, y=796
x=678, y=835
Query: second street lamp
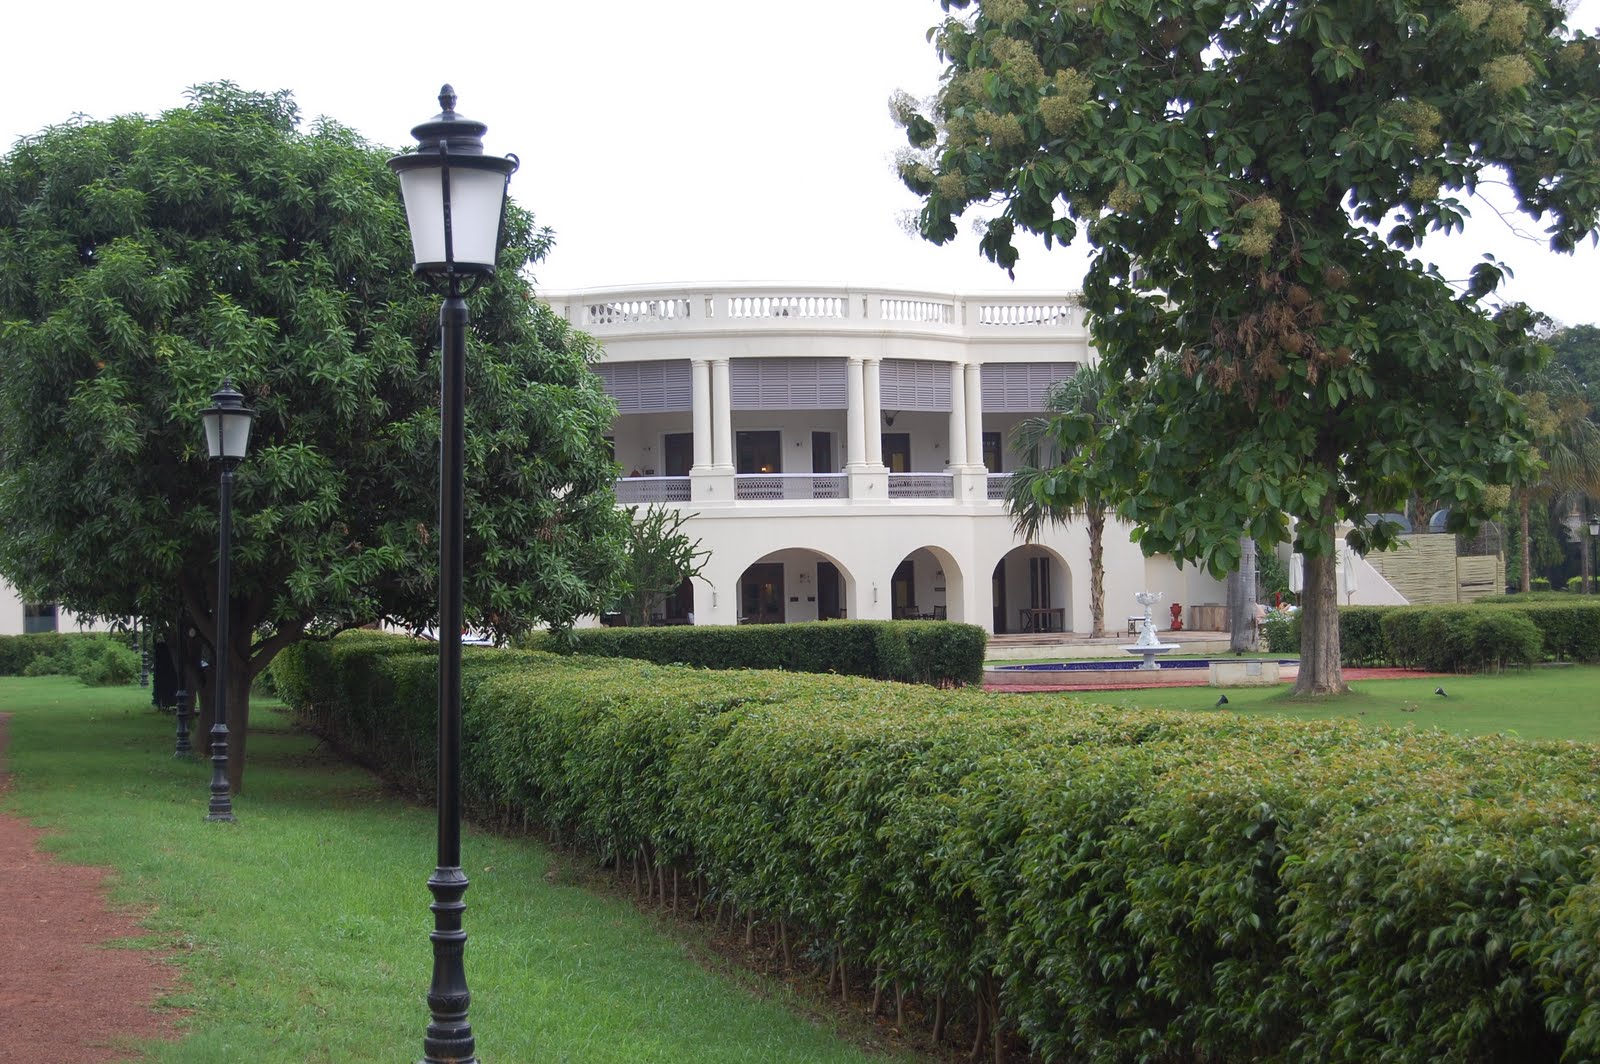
x=227, y=422
x=455, y=202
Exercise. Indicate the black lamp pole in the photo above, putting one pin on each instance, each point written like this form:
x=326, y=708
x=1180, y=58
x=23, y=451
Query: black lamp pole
x=455, y=202
x=227, y=423
x=1590, y=575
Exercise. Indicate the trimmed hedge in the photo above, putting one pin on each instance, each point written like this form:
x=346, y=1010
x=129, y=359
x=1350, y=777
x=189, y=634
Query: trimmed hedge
x=1100, y=884
x=1489, y=634
x=941, y=653
x=98, y=659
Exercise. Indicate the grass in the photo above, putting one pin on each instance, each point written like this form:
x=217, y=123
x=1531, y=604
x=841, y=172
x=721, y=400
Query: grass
x=1539, y=703
x=301, y=931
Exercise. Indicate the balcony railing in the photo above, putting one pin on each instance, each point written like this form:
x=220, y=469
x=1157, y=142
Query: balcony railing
x=921, y=486
x=780, y=486
x=633, y=491
x=613, y=312
x=997, y=485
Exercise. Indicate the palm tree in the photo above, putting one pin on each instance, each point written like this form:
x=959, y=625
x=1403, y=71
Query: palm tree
x=1037, y=441
x=1567, y=440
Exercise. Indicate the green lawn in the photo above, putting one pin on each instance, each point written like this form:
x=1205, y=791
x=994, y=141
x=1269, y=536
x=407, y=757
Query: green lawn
x=302, y=929
x=1540, y=703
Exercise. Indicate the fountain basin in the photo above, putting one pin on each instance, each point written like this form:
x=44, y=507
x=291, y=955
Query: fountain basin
x=1123, y=673
x=1150, y=650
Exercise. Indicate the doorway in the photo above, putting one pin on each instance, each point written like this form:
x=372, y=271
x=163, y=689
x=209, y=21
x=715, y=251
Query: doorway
x=677, y=453
x=903, y=591
x=822, y=452
x=997, y=588
x=760, y=452
x=761, y=594
x=897, y=451
x=829, y=592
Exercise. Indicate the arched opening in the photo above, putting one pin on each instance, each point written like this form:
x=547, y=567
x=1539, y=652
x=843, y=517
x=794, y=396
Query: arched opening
x=1032, y=591
x=793, y=585
x=926, y=585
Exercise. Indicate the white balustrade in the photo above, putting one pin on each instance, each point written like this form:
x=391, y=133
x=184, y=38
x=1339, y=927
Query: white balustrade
x=768, y=487
x=633, y=311
x=1037, y=314
x=916, y=310
x=787, y=306
x=614, y=313
x=634, y=491
x=997, y=485
x=921, y=486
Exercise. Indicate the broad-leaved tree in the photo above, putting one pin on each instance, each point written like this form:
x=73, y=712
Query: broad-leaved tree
x=1252, y=177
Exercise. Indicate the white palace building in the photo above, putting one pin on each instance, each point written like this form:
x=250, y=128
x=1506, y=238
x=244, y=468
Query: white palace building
x=844, y=452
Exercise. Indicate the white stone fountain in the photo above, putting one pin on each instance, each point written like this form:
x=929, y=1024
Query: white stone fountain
x=1149, y=644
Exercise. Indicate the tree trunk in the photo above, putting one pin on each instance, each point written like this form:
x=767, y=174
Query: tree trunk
x=1096, y=518
x=1242, y=598
x=1320, y=672
x=238, y=722
x=1523, y=506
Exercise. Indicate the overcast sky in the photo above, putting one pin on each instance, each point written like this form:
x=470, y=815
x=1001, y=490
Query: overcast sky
x=711, y=140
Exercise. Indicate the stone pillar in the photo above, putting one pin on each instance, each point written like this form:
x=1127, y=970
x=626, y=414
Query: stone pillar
x=700, y=373
x=974, y=390
x=958, y=415
x=873, y=410
x=855, y=422
x=721, y=416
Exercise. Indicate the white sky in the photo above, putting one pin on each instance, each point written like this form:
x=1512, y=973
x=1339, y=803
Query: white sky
x=714, y=140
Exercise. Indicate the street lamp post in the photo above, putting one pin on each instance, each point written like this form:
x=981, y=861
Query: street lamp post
x=455, y=204
x=1594, y=533
x=227, y=421
x=181, y=696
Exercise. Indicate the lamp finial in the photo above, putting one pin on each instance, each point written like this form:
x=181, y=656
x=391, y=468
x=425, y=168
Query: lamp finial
x=447, y=99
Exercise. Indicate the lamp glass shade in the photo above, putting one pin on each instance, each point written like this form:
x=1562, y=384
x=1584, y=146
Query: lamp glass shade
x=1594, y=526
x=477, y=198
x=227, y=430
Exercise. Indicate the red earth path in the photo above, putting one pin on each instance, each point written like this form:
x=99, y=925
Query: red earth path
x=66, y=997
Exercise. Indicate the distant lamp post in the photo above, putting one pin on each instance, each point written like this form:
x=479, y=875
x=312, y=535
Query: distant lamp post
x=455, y=203
x=1594, y=532
x=181, y=696
x=227, y=421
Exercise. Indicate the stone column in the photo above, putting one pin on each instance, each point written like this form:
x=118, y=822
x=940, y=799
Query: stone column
x=974, y=390
x=873, y=412
x=958, y=415
x=721, y=415
x=700, y=373
x=855, y=422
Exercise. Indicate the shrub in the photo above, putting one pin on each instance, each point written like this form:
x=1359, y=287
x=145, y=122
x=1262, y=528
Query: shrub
x=1109, y=885
x=1281, y=630
x=106, y=663
x=1361, y=639
x=1460, y=638
x=941, y=653
x=98, y=659
x=1575, y=584
x=1541, y=583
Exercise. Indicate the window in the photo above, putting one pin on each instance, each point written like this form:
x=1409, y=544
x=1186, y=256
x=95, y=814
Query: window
x=39, y=617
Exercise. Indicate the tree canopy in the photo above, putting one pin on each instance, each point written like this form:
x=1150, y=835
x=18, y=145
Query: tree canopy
x=143, y=260
x=1251, y=177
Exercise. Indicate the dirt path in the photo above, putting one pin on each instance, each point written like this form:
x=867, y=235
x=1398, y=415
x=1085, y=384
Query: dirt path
x=66, y=998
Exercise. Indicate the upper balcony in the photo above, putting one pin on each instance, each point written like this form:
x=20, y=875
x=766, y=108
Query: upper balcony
x=755, y=319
